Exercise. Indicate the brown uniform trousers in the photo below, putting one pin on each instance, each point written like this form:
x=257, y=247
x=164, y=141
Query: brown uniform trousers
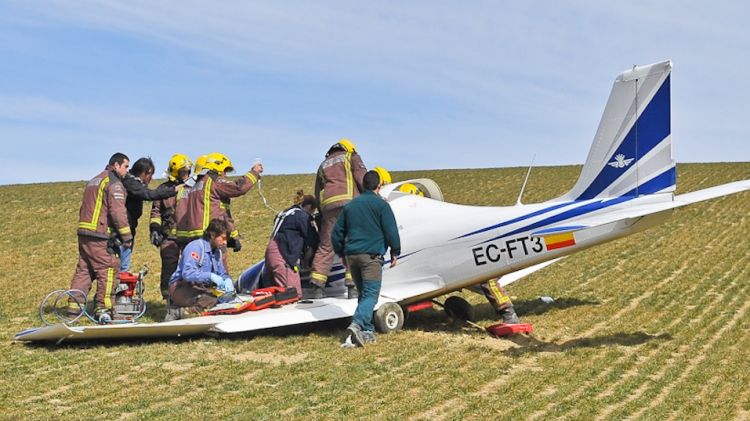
x=193, y=296
x=170, y=256
x=496, y=295
x=94, y=262
x=323, y=259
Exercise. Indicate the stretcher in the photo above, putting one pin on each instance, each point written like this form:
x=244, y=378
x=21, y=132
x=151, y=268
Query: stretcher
x=257, y=300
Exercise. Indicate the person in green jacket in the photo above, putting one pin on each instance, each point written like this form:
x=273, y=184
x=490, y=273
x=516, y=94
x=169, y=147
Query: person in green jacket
x=364, y=230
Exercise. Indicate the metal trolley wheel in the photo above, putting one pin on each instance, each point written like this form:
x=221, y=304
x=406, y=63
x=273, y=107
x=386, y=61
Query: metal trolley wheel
x=62, y=304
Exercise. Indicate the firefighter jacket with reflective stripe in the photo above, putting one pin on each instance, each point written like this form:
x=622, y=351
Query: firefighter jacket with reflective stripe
x=293, y=230
x=209, y=199
x=103, y=212
x=339, y=179
x=163, y=212
x=137, y=193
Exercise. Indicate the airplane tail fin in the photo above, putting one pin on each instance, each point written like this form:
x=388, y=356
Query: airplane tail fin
x=632, y=150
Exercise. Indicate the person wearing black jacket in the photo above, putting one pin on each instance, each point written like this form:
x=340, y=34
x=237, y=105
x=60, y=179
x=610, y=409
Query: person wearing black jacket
x=136, y=183
x=293, y=230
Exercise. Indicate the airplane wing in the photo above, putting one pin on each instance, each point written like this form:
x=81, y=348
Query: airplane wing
x=293, y=314
x=593, y=220
x=514, y=276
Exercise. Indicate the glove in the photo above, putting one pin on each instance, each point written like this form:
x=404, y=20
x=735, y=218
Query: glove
x=217, y=280
x=228, y=286
x=157, y=238
x=234, y=243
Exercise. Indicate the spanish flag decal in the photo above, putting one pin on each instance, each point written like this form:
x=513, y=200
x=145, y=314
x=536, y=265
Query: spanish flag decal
x=558, y=241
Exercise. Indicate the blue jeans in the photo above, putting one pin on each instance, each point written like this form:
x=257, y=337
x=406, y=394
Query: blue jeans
x=126, y=253
x=369, y=291
x=367, y=273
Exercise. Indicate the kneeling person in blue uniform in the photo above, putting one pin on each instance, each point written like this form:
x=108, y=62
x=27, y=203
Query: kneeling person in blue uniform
x=200, y=273
x=364, y=229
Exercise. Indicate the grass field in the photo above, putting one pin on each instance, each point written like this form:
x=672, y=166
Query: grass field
x=653, y=326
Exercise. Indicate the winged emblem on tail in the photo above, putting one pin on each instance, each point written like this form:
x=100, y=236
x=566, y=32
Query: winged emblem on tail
x=620, y=161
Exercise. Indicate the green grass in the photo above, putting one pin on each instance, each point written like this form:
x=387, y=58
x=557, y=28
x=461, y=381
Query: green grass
x=653, y=326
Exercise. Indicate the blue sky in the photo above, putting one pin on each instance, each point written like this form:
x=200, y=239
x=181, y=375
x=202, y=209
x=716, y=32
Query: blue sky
x=415, y=84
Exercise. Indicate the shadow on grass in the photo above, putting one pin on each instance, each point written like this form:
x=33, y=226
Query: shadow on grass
x=531, y=345
x=537, y=307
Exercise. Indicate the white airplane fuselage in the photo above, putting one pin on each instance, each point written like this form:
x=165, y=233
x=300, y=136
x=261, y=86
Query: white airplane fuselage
x=446, y=247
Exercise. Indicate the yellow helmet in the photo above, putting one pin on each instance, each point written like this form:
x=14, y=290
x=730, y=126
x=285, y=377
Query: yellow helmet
x=218, y=162
x=410, y=188
x=200, y=163
x=385, y=176
x=178, y=162
x=347, y=144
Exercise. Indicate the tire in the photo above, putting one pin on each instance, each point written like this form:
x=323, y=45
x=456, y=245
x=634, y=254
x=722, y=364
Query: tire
x=458, y=308
x=388, y=318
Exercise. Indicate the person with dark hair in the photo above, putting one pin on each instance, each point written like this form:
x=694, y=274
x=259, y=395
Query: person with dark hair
x=339, y=180
x=365, y=229
x=292, y=232
x=136, y=182
x=200, y=273
x=162, y=223
x=102, y=226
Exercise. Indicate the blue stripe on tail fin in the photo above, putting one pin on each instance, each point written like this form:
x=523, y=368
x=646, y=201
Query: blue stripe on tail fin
x=632, y=150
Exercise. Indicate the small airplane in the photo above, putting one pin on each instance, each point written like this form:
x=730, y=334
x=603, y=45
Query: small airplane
x=627, y=185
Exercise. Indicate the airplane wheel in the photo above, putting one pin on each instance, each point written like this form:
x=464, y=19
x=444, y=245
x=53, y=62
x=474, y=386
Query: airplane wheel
x=458, y=308
x=388, y=318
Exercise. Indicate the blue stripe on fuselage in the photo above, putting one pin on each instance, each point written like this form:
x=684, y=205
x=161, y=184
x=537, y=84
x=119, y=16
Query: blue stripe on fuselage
x=581, y=210
x=651, y=128
x=514, y=220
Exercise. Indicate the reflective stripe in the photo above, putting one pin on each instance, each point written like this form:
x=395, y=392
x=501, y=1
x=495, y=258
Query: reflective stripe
x=319, y=276
x=348, y=276
x=124, y=231
x=499, y=296
x=189, y=234
x=97, y=209
x=173, y=232
x=234, y=234
x=206, y=203
x=108, y=290
x=155, y=221
x=349, y=195
x=250, y=176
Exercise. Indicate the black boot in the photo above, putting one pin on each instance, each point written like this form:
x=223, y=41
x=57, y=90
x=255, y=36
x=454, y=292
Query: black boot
x=317, y=292
x=509, y=316
x=351, y=292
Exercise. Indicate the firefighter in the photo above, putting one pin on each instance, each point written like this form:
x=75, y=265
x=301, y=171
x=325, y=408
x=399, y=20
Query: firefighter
x=200, y=276
x=162, y=223
x=293, y=231
x=136, y=183
x=210, y=198
x=385, y=176
x=102, y=227
x=339, y=180
x=500, y=301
